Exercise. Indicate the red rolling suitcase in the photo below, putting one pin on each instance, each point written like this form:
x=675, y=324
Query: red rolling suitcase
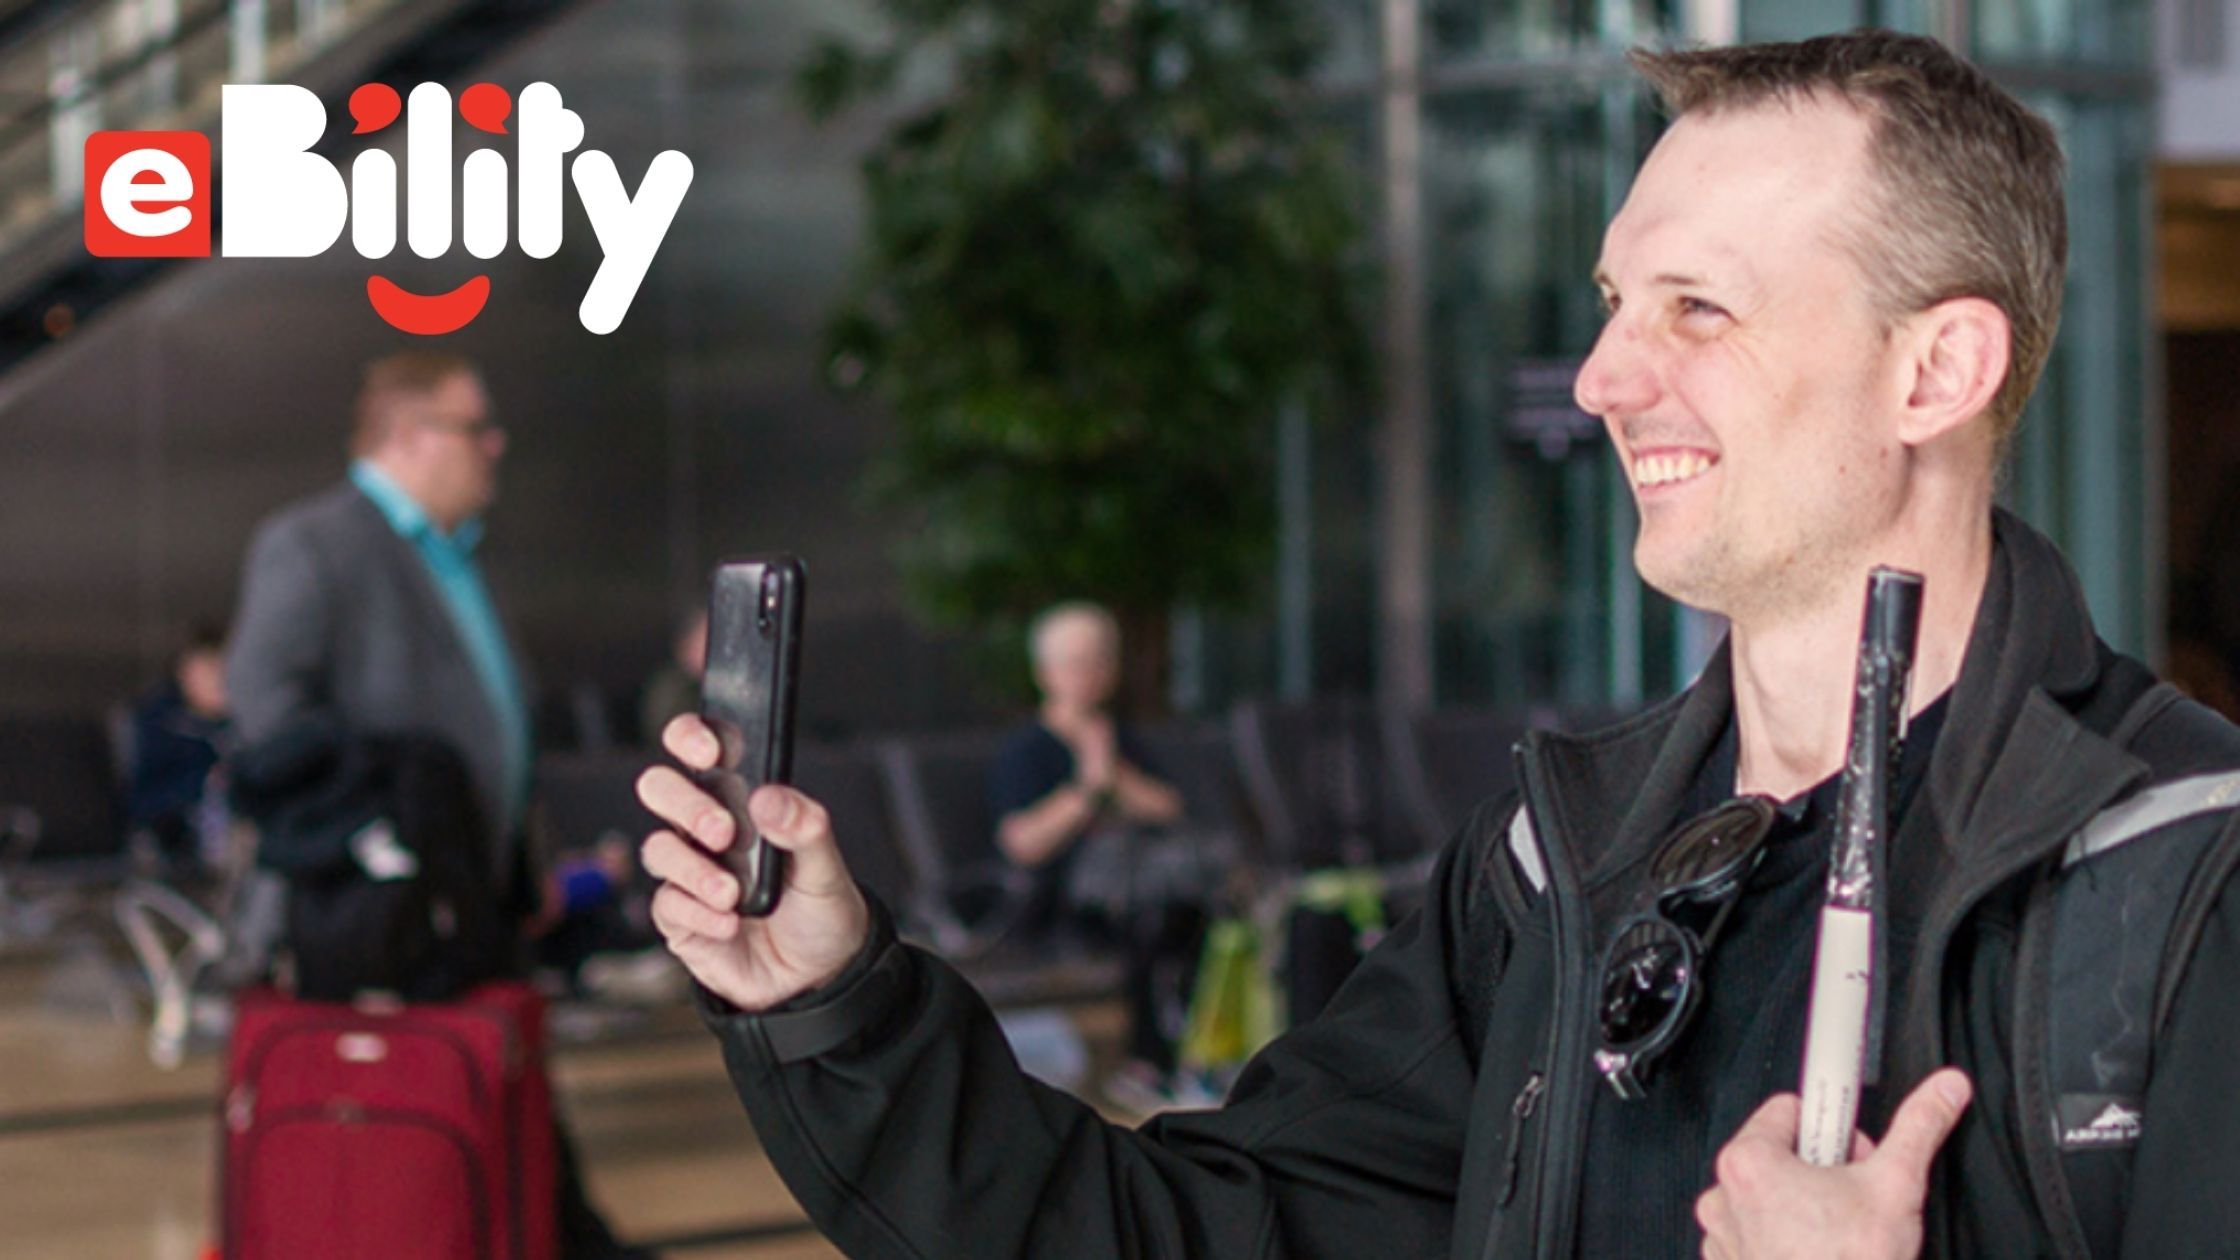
x=355, y=1132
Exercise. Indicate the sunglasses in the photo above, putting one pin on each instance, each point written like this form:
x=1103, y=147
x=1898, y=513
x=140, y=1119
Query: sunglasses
x=1652, y=972
x=472, y=428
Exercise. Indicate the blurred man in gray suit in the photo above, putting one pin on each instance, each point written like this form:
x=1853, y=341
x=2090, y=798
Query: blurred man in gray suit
x=364, y=604
x=365, y=599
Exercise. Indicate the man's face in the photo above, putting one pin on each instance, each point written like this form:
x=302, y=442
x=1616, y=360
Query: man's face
x=202, y=681
x=1743, y=377
x=1077, y=664
x=454, y=447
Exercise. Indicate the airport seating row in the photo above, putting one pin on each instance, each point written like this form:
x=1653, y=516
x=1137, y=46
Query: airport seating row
x=1281, y=788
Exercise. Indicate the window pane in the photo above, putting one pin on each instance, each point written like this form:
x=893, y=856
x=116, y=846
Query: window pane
x=1535, y=593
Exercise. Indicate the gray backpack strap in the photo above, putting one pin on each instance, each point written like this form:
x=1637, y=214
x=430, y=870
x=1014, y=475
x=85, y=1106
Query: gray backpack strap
x=2134, y=889
x=2151, y=810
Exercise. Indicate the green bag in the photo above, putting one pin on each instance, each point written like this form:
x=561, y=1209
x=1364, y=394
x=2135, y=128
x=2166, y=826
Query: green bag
x=1233, y=1005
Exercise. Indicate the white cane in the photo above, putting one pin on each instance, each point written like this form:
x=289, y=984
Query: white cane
x=1838, y=1031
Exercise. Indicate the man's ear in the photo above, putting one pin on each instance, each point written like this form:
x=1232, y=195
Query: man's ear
x=1957, y=358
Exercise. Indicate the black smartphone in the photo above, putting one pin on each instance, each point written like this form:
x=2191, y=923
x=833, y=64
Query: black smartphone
x=746, y=696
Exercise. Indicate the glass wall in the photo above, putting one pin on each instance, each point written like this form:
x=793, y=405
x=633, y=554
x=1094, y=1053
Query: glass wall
x=1532, y=128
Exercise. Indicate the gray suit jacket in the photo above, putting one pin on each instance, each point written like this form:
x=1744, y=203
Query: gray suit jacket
x=339, y=614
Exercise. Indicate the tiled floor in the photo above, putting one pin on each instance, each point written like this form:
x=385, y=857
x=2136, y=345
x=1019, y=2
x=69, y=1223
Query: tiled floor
x=105, y=1157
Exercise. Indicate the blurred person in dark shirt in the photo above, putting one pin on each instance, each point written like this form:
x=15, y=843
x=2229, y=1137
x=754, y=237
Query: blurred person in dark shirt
x=1077, y=802
x=1073, y=770
x=675, y=687
x=181, y=729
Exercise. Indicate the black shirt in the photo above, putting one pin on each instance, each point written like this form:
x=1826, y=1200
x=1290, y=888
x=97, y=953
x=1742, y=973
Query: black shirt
x=1648, y=1160
x=1033, y=763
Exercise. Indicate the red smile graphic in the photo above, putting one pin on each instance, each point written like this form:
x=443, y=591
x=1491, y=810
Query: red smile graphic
x=428, y=316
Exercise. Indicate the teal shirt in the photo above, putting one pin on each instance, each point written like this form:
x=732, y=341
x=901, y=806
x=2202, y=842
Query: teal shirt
x=450, y=561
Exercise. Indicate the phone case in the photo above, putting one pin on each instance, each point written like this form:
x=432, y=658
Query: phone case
x=747, y=693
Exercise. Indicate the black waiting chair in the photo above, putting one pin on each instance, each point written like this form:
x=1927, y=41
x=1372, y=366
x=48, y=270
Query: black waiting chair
x=939, y=787
x=62, y=829
x=1320, y=778
x=1199, y=759
x=846, y=779
x=1319, y=781
x=1449, y=760
x=586, y=798
x=63, y=770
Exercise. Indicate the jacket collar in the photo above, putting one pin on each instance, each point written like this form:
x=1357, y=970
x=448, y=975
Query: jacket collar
x=405, y=513
x=2012, y=757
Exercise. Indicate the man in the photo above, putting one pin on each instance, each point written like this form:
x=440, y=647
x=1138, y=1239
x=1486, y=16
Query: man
x=1072, y=767
x=675, y=687
x=364, y=605
x=180, y=730
x=1831, y=289
x=1075, y=810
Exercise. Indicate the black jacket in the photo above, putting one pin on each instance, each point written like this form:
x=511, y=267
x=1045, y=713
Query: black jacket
x=1438, y=1108
x=427, y=936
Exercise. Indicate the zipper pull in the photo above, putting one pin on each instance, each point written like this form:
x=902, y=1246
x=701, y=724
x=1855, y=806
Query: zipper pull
x=1520, y=1111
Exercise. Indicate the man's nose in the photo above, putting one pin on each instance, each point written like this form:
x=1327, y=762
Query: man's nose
x=1616, y=378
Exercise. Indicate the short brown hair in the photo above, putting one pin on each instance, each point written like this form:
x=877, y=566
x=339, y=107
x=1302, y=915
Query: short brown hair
x=1968, y=198
x=407, y=375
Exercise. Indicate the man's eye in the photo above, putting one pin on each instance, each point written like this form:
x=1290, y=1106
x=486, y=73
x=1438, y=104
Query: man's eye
x=1697, y=306
x=1607, y=303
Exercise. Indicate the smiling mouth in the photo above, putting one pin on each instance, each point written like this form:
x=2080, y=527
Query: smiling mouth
x=1659, y=469
x=427, y=315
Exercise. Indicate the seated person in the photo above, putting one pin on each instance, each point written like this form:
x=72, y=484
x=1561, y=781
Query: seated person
x=1072, y=797
x=675, y=687
x=180, y=730
x=1072, y=771
x=597, y=935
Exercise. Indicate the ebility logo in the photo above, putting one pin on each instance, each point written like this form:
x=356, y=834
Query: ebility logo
x=148, y=193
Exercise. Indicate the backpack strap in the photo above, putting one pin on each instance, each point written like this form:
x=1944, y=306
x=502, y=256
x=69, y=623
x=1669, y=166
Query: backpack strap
x=2151, y=810
x=2104, y=945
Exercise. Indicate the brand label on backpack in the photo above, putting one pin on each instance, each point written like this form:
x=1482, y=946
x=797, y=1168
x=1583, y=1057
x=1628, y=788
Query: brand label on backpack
x=2098, y=1122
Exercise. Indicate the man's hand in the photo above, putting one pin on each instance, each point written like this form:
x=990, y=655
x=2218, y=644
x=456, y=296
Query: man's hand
x=1769, y=1204
x=821, y=921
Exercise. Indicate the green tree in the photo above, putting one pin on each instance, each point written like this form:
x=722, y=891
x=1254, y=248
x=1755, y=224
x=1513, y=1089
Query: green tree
x=1098, y=264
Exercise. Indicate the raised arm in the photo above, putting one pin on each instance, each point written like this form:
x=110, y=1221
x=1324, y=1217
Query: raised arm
x=891, y=1104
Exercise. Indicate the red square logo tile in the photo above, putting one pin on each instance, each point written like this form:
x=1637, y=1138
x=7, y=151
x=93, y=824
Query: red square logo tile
x=148, y=194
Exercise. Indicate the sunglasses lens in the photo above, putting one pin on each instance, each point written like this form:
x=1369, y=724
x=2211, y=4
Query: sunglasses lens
x=1645, y=981
x=1713, y=848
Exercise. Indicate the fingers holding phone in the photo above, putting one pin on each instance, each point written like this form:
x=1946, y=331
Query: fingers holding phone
x=820, y=920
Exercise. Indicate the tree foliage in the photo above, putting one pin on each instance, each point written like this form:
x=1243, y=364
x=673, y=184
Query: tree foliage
x=1098, y=262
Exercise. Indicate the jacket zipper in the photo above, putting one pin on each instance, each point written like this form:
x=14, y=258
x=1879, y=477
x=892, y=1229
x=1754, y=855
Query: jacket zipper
x=1563, y=1087
x=1520, y=1111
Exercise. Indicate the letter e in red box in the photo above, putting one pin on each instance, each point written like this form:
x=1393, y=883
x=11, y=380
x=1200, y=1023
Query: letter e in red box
x=148, y=194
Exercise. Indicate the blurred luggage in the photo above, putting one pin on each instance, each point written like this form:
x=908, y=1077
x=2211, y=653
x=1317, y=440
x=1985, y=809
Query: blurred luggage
x=362, y=1132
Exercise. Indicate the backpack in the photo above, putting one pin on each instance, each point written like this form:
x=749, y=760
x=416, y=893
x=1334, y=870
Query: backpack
x=381, y=841
x=2103, y=951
